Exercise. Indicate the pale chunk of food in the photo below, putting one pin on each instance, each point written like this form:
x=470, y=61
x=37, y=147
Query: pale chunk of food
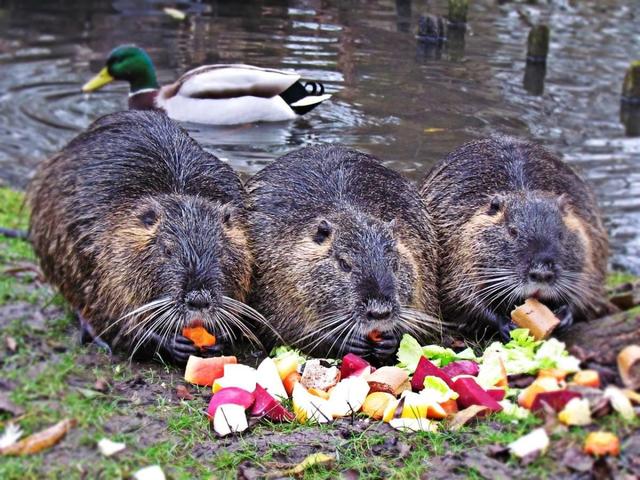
x=536, y=317
x=629, y=366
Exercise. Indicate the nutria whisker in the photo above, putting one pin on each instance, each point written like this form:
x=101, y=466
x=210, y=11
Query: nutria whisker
x=150, y=315
x=158, y=303
x=334, y=327
x=145, y=331
x=325, y=323
x=246, y=310
x=235, y=321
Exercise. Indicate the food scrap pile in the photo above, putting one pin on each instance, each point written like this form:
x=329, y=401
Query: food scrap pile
x=431, y=388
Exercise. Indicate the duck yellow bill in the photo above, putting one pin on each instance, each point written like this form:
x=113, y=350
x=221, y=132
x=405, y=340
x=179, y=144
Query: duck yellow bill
x=99, y=81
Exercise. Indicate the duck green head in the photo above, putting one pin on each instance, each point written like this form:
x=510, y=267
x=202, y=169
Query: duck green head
x=129, y=63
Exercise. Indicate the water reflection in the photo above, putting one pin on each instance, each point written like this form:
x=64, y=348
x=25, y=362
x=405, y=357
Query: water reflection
x=403, y=103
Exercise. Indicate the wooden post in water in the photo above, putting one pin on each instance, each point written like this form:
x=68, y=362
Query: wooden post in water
x=630, y=100
x=538, y=44
x=631, y=84
x=458, y=13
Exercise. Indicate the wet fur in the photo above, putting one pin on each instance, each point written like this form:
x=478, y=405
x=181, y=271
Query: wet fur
x=88, y=204
x=542, y=194
x=297, y=284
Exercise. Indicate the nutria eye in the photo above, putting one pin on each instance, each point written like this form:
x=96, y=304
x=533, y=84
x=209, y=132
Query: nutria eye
x=149, y=218
x=323, y=232
x=226, y=217
x=513, y=231
x=344, y=265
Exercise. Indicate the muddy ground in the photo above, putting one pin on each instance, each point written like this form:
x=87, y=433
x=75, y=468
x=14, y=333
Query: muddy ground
x=47, y=376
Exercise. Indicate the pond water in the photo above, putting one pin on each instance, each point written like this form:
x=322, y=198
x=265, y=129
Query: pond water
x=405, y=102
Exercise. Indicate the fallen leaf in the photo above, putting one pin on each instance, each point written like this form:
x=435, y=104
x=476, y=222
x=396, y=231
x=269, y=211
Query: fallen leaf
x=108, y=447
x=89, y=393
x=310, y=461
x=101, y=385
x=576, y=460
x=41, y=440
x=183, y=393
x=12, y=345
x=10, y=436
x=465, y=416
x=154, y=472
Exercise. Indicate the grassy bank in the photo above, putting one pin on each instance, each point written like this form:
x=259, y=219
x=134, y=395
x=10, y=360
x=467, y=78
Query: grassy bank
x=49, y=377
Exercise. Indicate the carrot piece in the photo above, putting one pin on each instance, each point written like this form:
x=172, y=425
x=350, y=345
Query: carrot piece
x=199, y=336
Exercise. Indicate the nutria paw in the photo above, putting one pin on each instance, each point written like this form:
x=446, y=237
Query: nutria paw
x=179, y=348
x=505, y=325
x=376, y=352
x=565, y=315
x=89, y=337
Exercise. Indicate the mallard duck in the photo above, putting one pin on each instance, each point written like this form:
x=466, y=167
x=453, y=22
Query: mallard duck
x=213, y=94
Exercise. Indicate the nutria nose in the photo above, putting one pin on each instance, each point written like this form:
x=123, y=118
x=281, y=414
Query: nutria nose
x=541, y=275
x=197, y=300
x=378, y=313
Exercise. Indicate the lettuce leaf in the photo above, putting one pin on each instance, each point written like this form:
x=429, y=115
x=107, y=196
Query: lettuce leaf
x=410, y=351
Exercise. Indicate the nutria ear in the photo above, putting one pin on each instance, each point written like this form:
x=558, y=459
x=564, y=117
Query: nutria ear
x=323, y=232
x=563, y=203
x=495, y=204
x=227, y=211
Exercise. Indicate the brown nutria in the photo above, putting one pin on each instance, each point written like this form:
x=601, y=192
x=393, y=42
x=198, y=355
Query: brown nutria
x=514, y=222
x=144, y=233
x=343, y=248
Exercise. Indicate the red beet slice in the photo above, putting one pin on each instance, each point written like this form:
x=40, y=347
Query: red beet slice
x=461, y=367
x=556, y=399
x=234, y=395
x=497, y=394
x=352, y=363
x=473, y=394
x=424, y=369
x=267, y=406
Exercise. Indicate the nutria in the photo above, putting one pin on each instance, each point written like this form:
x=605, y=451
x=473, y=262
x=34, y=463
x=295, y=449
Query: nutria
x=143, y=232
x=345, y=254
x=514, y=222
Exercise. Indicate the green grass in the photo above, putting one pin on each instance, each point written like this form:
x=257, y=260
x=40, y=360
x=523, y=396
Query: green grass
x=53, y=380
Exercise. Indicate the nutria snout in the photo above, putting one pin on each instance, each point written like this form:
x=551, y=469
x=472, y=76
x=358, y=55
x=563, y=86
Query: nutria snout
x=346, y=253
x=143, y=232
x=514, y=222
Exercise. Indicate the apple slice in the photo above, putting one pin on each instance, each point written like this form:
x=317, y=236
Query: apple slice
x=392, y=410
x=268, y=377
x=414, y=425
x=227, y=395
x=556, y=399
x=236, y=375
x=290, y=381
x=599, y=444
x=204, y=371
x=424, y=369
x=376, y=403
x=266, y=405
x=586, y=378
x=461, y=367
x=348, y=396
x=420, y=406
x=473, y=394
x=287, y=363
x=309, y=408
x=352, y=364
x=539, y=385
x=229, y=418
x=576, y=413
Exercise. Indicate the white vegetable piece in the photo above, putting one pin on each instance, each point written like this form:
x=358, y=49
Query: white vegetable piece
x=230, y=418
x=268, y=378
x=108, y=447
x=533, y=442
x=154, y=472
